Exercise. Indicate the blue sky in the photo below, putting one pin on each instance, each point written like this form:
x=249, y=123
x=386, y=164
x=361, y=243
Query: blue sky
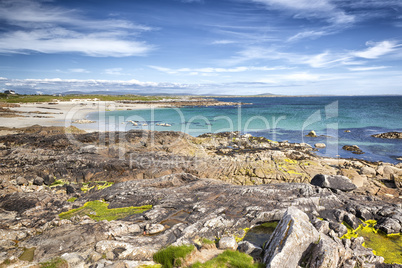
x=291, y=47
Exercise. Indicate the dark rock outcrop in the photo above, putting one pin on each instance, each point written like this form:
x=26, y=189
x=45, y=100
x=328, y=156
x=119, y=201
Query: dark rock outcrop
x=388, y=135
x=334, y=182
x=353, y=148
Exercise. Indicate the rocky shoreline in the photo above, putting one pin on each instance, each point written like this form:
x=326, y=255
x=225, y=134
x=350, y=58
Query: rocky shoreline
x=215, y=186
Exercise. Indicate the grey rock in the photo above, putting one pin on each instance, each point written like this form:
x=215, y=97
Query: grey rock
x=334, y=182
x=227, y=242
x=352, y=221
x=38, y=181
x=327, y=253
x=155, y=228
x=127, y=251
x=353, y=148
x=74, y=259
x=320, y=145
x=48, y=179
x=21, y=181
x=368, y=171
x=364, y=213
x=339, y=228
x=389, y=225
x=291, y=238
x=250, y=249
x=322, y=226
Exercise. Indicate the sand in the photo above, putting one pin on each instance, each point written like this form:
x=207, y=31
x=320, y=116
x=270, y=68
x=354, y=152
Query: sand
x=66, y=113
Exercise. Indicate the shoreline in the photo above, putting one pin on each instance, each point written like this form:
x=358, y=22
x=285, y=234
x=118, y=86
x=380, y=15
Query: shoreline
x=63, y=114
x=75, y=113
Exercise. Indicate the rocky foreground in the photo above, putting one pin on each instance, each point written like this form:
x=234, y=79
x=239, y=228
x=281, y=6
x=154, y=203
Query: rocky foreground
x=211, y=187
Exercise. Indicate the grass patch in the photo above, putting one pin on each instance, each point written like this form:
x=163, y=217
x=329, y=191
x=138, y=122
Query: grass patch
x=54, y=263
x=206, y=241
x=172, y=256
x=98, y=210
x=387, y=246
x=232, y=259
x=72, y=199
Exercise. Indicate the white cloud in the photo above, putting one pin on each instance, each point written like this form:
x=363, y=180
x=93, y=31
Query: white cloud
x=377, y=49
x=203, y=71
x=79, y=70
x=48, y=29
x=114, y=71
x=223, y=42
x=357, y=69
x=321, y=9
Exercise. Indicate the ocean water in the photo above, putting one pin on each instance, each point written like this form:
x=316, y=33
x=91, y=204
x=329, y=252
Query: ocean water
x=283, y=118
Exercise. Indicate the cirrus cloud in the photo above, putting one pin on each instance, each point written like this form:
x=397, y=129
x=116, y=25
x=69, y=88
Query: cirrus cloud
x=37, y=26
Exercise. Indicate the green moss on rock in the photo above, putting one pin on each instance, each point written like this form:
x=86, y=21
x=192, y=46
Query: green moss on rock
x=172, y=256
x=229, y=258
x=98, y=210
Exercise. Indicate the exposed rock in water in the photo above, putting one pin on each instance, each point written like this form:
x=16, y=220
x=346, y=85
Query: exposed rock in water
x=388, y=135
x=334, y=182
x=320, y=145
x=353, y=148
x=312, y=134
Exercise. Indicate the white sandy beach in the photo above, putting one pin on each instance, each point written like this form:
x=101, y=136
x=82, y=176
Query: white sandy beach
x=65, y=113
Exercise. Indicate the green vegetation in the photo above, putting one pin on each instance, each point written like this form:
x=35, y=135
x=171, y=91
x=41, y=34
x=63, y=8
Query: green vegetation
x=172, y=256
x=28, y=254
x=50, y=98
x=72, y=199
x=98, y=210
x=206, y=241
x=240, y=238
x=100, y=185
x=58, y=183
x=229, y=258
x=387, y=246
x=54, y=263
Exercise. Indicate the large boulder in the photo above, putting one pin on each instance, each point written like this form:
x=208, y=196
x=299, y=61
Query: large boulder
x=334, y=182
x=327, y=253
x=228, y=242
x=291, y=238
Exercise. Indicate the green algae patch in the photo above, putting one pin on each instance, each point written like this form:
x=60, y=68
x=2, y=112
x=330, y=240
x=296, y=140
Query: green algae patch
x=72, y=199
x=100, y=185
x=387, y=246
x=58, y=183
x=291, y=161
x=98, y=210
x=54, y=263
x=230, y=259
x=173, y=256
x=28, y=254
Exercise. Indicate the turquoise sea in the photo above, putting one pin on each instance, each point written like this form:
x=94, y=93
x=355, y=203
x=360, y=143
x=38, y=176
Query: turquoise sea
x=284, y=118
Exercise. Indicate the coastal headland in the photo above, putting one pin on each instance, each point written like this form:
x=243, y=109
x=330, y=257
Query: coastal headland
x=98, y=199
